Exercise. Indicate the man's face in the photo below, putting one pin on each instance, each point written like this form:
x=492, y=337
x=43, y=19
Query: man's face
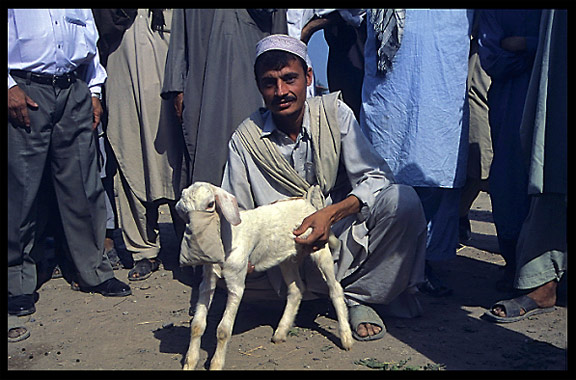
x=284, y=90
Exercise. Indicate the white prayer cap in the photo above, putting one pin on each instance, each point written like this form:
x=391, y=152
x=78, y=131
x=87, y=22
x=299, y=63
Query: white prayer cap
x=282, y=42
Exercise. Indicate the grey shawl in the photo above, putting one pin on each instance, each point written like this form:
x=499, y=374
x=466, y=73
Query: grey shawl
x=388, y=26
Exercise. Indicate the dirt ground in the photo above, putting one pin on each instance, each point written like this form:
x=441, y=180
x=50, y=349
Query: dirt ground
x=150, y=329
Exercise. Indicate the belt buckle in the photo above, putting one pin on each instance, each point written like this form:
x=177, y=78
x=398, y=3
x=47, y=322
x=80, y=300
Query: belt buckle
x=60, y=81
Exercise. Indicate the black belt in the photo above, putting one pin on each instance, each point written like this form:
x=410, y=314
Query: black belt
x=60, y=81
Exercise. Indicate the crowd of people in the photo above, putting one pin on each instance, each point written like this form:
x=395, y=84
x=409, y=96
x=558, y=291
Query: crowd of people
x=113, y=112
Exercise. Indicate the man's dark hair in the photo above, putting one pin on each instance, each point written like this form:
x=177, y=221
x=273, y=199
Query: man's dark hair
x=275, y=60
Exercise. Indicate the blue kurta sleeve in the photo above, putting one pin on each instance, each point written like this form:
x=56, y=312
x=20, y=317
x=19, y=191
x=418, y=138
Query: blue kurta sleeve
x=496, y=61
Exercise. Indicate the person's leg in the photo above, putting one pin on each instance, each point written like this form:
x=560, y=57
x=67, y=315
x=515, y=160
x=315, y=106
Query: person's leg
x=138, y=222
x=441, y=210
x=508, y=182
x=542, y=252
x=78, y=186
x=394, y=266
x=27, y=151
x=470, y=192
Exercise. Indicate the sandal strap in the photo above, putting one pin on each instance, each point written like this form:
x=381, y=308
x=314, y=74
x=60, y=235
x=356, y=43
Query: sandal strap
x=514, y=306
x=144, y=267
x=526, y=303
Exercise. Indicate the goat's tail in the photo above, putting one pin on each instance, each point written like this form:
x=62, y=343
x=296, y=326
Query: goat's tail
x=315, y=197
x=334, y=243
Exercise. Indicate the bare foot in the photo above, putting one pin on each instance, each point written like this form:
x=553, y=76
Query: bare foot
x=367, y=329
x=544, y=296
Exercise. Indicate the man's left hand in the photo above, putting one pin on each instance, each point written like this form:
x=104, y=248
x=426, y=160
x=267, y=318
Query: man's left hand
x=322, y=220
x=320, y=223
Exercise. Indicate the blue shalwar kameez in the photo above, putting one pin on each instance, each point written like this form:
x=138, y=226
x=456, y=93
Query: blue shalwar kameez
x=510, y=74
x=416, y=116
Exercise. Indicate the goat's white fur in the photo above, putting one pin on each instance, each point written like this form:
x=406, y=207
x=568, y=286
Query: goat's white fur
x=264, y=234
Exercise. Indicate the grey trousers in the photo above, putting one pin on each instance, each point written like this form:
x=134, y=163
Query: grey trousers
x=138, y=221
x=60, y=136
x=386, y=273
x=542, y=246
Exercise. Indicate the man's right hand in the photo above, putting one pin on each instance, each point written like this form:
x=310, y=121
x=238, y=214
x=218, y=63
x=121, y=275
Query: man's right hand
x=18, y=103
x=178, y=105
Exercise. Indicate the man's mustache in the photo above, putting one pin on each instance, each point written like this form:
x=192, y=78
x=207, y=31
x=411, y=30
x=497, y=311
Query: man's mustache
x=283, y=99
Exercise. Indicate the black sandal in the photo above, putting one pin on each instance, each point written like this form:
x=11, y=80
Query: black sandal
x=143, y=269
x=513, y=309
x=432, y=285
x=114, y=259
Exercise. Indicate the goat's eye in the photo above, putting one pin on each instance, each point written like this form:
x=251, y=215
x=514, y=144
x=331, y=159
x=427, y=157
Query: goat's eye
x=211, y=204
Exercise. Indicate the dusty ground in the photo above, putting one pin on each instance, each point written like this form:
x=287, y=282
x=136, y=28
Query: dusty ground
x=150, y=329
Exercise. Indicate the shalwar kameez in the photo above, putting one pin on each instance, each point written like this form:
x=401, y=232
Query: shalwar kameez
x=381, y=258
x=416, y=112
x=510, y=74
x=144, y=134
x=211, y=61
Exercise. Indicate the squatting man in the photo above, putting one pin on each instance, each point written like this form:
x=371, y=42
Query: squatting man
x=294, y=143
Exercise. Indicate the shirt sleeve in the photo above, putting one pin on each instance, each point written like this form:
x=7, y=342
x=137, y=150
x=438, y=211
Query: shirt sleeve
x=11, y=82
x=353, y=17
x=496, y=61
x=176, y=60
x=367, y=171
x=235, y=179
x=95, y=74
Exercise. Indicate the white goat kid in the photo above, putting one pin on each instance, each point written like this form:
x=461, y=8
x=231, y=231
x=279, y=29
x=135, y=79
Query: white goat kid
x=263, y=236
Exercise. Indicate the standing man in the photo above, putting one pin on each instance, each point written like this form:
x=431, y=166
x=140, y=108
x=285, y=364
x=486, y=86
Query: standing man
x=415, y=113
x=209, y=77
x=54, y=84
x=507, y=45
x=144, y=135
x=542, y=250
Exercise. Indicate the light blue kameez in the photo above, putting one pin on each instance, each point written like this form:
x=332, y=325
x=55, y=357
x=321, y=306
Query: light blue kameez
x=417, y=115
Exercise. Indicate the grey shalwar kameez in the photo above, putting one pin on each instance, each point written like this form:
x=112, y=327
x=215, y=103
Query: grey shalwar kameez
x=383, y=246
x=211, y=61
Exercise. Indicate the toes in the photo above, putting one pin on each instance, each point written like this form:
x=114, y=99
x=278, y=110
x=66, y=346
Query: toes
x=498, y=311
x=375, y=329
x=367, y=329
x=362, y=330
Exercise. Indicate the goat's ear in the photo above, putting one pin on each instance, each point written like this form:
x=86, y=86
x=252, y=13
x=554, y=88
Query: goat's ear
x=227, y=205
x=182, y=210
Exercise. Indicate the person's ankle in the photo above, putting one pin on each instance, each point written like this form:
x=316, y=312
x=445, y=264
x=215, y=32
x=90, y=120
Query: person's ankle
x=545, y=295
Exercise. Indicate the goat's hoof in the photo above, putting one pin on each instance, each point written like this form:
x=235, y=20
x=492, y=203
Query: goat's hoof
x=278, y=339
x=216, y=367
x=190, y=362
x=188, y=367
x=347, y=343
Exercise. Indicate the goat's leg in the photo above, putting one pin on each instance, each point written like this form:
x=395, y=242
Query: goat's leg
x=235, y=284
x=295, y=290
x=323, y=259
x=206, y=292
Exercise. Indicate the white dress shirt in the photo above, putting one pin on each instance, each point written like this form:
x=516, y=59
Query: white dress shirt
x=54, y=42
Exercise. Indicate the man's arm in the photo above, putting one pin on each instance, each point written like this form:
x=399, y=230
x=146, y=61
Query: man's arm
x=322, y=220
x=364, y=168
x=18, y=103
